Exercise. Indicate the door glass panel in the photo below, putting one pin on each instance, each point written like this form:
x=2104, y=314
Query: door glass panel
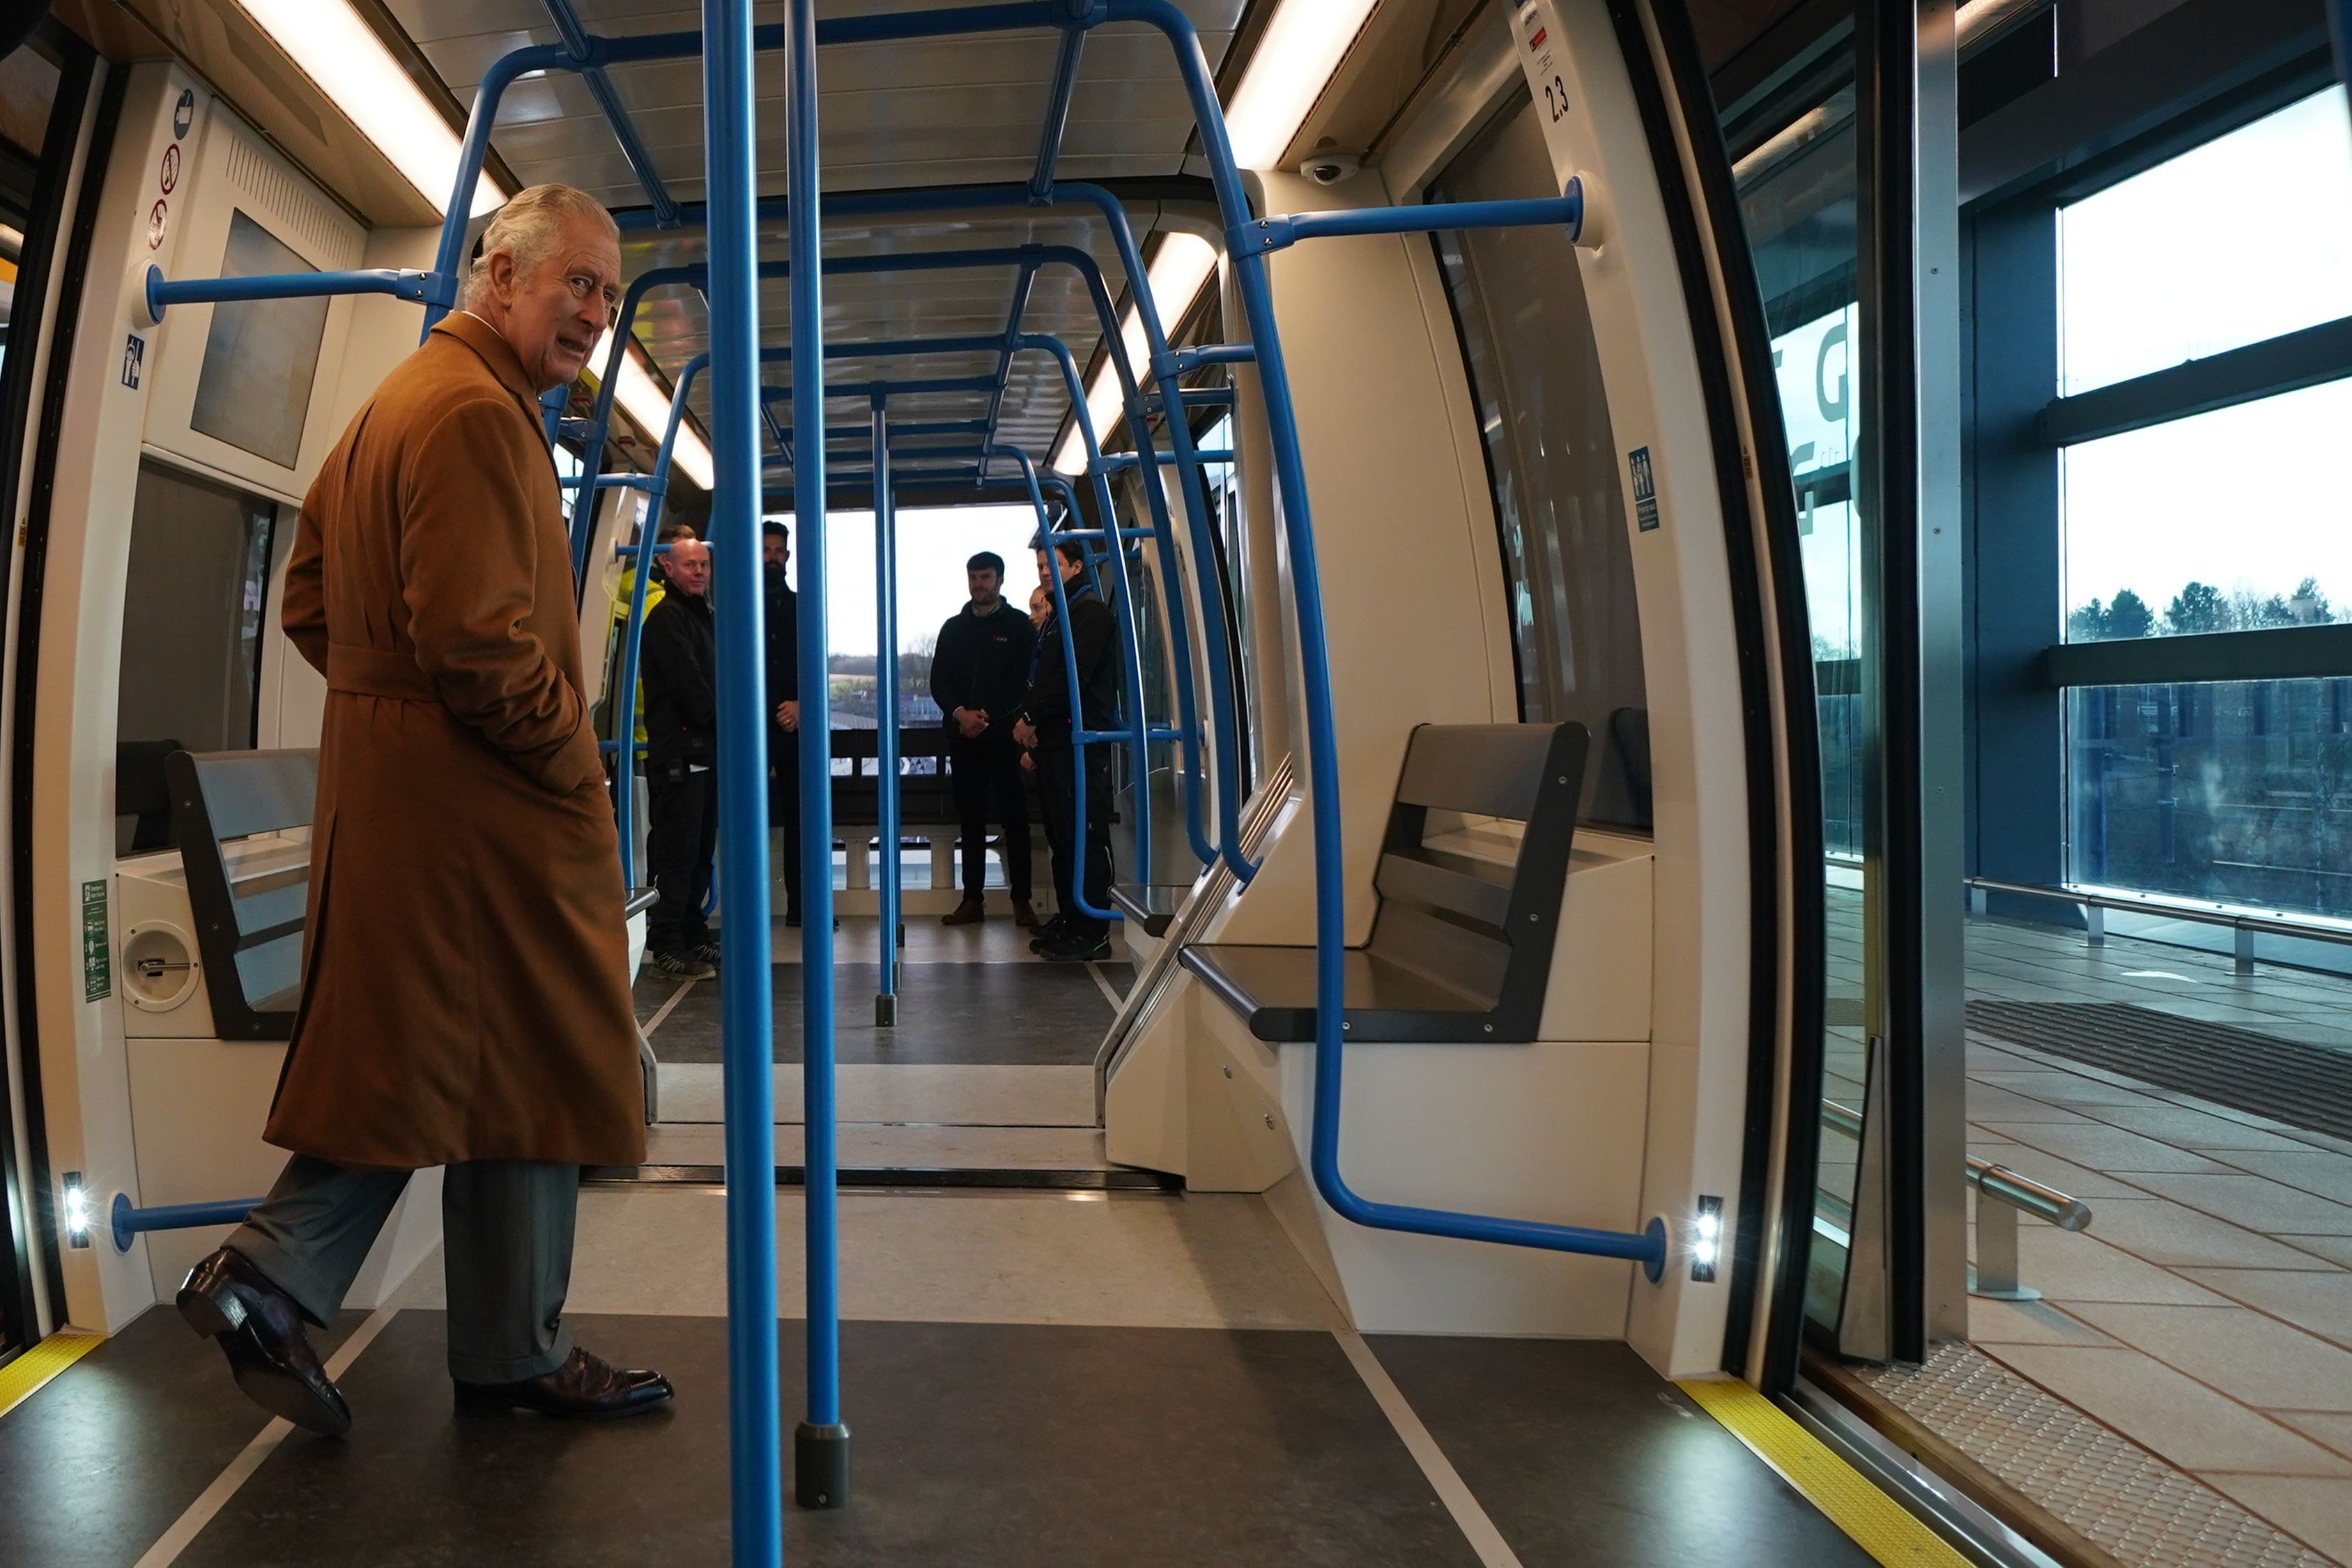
x=192, y=612
x=1798, y=196
x=1535, y=372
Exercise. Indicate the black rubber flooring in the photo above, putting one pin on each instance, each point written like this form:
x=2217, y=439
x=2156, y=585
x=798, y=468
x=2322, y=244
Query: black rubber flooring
x=992, y=1014
x=1579, y=1453
x=2298, y=1085
x=978, y=1445
x=98, y=1463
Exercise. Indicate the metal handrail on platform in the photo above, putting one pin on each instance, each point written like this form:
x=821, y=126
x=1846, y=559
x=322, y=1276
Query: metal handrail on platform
x=1997, y=1267
x=2094, y=905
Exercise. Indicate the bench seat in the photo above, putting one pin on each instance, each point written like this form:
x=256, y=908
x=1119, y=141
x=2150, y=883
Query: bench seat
x=1273, y=988
x=1461, y=948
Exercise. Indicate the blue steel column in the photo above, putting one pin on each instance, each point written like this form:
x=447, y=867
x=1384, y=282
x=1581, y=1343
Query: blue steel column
x=886, y=709
x=754, y=1419
x=821, y=1445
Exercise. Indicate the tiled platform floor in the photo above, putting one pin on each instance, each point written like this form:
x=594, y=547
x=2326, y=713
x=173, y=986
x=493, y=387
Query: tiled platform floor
x=2207, y=1313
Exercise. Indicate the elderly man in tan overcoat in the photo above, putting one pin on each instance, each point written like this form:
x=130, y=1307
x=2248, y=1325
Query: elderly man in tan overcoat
x=466, y=998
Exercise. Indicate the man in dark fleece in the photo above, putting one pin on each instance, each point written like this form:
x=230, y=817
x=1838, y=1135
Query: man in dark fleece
x=979, y=672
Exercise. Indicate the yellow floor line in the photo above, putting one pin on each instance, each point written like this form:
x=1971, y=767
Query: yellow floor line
x=24, y=1377
x=1879, y=1525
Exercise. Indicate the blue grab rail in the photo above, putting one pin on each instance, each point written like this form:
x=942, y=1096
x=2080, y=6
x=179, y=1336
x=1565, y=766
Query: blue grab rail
x=886, y=715
x=128, y=1223
x=1648, y=1247
x=424, y=288
x=748, y=1048
x=632, y=626
x=1080, y=736
x=821, y=1443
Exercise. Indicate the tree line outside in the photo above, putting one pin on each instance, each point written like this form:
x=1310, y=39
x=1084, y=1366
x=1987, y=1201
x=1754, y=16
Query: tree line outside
x=2198, y=607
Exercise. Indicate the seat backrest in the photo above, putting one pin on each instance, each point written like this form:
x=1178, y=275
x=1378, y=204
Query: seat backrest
x=250, y=937
x=1462, y=919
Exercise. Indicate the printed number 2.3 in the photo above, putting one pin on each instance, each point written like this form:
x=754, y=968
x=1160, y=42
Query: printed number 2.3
x=1555, y=97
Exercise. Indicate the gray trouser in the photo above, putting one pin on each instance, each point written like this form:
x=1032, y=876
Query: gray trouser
x=506, y=1238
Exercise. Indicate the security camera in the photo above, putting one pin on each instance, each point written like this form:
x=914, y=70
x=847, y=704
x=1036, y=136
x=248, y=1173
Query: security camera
x=1330, y=168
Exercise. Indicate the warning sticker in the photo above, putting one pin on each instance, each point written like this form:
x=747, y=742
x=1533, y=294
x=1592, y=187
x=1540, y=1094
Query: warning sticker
x=169, y=178
x=97, y=958
x=183, y=114
x=1645, y=490
x=158, y=217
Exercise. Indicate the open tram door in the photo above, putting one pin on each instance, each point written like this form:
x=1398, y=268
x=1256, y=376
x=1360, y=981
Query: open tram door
x=1849, y=1236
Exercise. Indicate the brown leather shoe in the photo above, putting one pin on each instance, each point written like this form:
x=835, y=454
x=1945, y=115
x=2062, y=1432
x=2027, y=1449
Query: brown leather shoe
x=227, y=1300
x=1025, y=914
x=584, y=1388
x=971, y=911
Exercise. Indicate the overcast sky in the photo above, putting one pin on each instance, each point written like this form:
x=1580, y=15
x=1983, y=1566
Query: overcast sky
x=933, y=546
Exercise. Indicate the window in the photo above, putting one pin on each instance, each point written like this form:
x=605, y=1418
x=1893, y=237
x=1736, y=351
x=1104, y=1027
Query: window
x=261, y=356
x=2232, y=791
x=2238, y=520
x=2245, y=238
x=191, y=623
x=2222, y=510
x=1535, y=372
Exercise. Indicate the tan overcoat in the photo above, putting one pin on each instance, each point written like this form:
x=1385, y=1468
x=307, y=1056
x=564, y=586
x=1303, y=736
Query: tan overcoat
x=465, y=991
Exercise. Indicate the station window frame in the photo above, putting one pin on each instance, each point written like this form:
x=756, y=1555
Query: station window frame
x=2017, y=426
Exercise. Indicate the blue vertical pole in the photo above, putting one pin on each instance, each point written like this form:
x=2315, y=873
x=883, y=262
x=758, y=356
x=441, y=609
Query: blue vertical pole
x=821, y=1445
x=885, y=707
x=754, y=1420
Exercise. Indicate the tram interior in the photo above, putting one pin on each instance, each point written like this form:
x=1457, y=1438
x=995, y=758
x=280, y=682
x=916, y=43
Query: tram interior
x=1465, y=676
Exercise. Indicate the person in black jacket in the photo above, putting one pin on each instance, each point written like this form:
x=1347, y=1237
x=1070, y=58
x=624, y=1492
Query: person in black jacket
x=680, y=664
x=782, y=614
x=979, y=673
x=1073, y=936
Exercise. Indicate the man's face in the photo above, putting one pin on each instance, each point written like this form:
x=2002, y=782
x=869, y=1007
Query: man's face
x=554, y=317
x=1045, y=573
x=775, y=550
x=984, y=582
x=688, y=567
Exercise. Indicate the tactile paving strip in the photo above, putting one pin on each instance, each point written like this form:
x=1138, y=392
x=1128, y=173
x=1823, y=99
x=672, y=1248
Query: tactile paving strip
x=2140, y=1510
x=2299, y=1085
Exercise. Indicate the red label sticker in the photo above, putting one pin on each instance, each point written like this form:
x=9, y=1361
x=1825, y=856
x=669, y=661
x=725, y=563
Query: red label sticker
x=171, y=175
x=1542, y=34
x=157, y=216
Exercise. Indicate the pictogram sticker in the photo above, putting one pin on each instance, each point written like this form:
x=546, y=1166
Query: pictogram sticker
x=134, y=355
x=169, y=177
x=183, y=114
x=158, y=217
x=1645, y=490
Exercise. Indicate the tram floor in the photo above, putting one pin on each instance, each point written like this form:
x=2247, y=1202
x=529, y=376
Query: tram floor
x=1142, y=1381
x=1003, y=1015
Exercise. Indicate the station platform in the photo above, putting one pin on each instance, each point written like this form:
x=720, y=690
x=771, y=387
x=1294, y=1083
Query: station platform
x=1032, y=1379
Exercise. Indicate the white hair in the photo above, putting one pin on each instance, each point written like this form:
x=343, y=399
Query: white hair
x=529, y=229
